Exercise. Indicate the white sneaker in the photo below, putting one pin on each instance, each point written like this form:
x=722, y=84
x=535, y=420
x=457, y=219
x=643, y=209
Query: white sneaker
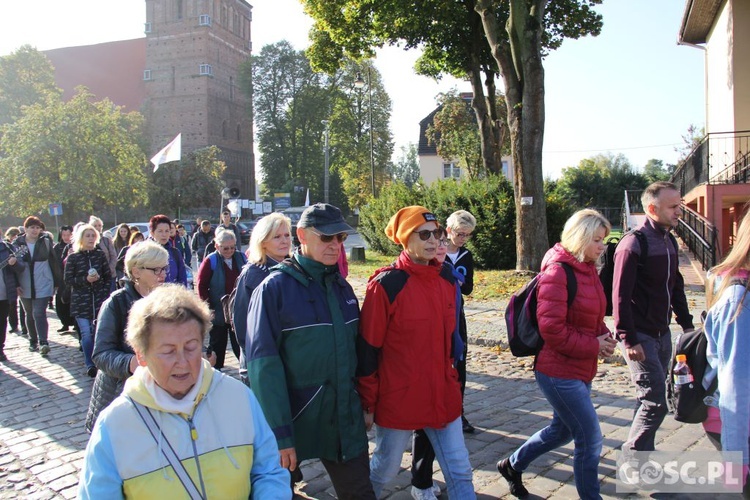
x=426, y=494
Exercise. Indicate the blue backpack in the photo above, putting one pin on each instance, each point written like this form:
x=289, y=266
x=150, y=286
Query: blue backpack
x=520, y=315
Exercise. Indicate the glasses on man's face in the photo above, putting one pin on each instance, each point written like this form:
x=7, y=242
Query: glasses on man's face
x=157, y=270
x=327, y=238
x=463, y=236
x=226, y=249
x=443, y=242
x=425, y=234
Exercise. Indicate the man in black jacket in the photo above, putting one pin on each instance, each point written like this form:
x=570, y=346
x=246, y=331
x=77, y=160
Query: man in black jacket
x=201, y=240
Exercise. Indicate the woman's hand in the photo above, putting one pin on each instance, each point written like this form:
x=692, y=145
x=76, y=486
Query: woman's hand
x=606, y=345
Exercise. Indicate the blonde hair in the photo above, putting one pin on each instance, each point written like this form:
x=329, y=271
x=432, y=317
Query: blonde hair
x=264, y=230
x=80, y=232
x=461, y=219
x=580, y=229
x=145, y=254
x=737, y=260
x=169, y=303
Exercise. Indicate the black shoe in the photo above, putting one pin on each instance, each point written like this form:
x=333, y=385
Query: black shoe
x=64, y=329
x=44, y=350
x=513, y=477
x=33, y=348
x=91, y=371
x=467, y=427
x=3, y=357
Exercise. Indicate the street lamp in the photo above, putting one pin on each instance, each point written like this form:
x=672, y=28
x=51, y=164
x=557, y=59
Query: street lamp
x=359, y=83
x=325, y=171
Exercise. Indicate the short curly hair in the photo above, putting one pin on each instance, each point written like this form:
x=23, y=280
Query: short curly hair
x=169, y=303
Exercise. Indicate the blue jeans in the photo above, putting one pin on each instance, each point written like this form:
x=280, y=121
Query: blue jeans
x=86, y=326
x=573, y=418
x=650, y=379
x=450, y=452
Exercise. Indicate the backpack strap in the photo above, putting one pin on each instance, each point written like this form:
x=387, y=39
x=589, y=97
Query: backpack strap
x=571, y=282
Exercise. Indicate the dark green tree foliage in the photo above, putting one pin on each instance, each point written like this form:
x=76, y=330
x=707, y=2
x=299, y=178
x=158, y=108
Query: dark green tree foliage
x=489, y=199
x=654, y=171
x=26, y=77
x=291, y=104
x=193, y=182
x=406, y=168
x=599, y=181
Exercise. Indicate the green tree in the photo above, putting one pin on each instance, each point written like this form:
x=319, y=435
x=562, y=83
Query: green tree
x=293, y=103
x=193, y=182
x=26, y=77
x=406, y=167
x=654, y=170
x=599, y=181
x=81, y=153
x=452, y=35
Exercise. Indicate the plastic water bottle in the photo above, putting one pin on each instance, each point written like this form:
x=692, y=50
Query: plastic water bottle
x=681, y=372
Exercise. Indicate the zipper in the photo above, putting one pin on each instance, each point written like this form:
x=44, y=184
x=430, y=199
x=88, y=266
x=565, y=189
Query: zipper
x=669, y=275
x=193, y=439
x=308, y=403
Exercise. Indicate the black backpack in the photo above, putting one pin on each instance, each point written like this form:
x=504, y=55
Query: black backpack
x=520, y=315
x=686, y=400
x=607, y=272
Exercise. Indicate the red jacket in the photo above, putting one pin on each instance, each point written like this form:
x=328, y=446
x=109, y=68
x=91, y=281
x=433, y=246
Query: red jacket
x=405, y=370
x=570, y=346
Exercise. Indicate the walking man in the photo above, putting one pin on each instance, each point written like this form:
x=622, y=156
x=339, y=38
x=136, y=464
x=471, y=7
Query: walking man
x=301, y=359
x=645, y=293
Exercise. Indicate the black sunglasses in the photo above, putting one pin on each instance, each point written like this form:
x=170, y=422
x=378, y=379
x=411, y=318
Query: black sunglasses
x=327, y=238
x=425, y=234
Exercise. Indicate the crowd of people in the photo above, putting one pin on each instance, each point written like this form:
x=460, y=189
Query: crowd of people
x=317, y=371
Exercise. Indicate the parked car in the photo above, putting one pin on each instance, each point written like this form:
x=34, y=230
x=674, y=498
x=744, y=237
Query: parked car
x=142, y=227
x=294, y=214
x=245, y=229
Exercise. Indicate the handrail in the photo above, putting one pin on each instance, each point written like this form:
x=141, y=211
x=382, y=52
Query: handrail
x=700, y=236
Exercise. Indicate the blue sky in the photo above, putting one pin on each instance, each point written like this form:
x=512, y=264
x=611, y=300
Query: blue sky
x=632, y=90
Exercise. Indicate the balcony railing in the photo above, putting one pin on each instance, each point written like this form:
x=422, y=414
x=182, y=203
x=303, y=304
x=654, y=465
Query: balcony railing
x=700, y=236
x=724, y=152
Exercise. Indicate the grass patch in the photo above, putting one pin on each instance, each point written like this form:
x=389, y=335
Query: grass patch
x=488, y=284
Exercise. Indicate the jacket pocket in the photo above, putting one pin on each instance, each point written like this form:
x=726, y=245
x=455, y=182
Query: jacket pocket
x=306, y=399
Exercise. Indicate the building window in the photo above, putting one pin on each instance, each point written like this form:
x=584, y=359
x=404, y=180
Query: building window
x=146, y=75
x=206, y=69
x=451, y=171
x=224, y=129
x=231, y=88
x=147, y=28
x=178, y=5
x=239, y=133
x=204, y=20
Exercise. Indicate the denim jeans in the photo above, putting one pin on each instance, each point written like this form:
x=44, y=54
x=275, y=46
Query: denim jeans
x=86, y=326
x=450, y=451
x=36, y=319
x=573, y=417
x=650, y=378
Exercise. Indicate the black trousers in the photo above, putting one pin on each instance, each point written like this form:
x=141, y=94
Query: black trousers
x=4, y=307
x=351, y=479
x=217, y=342
x=63, y=312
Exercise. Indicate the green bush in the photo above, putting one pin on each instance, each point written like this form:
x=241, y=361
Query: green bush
x=490, y=200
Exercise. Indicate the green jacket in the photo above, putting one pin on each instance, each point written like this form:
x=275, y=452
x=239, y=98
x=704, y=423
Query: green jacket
x=301, y=360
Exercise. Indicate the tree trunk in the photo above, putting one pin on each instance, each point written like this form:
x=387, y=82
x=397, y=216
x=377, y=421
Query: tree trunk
x=490, y=147
x=520, y=64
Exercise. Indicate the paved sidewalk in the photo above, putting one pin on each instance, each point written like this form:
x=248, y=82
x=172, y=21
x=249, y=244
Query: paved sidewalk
x=43, y=404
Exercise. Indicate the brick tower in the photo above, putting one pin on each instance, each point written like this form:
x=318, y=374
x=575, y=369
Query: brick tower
x=194, y=49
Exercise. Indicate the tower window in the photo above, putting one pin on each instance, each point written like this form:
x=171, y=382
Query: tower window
x=204, y=20
x=206, y=69
x=147, y=28
x=146, y=75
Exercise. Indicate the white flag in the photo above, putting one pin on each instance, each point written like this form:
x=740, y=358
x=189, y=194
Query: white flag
x=171, y=152
x=307, y=198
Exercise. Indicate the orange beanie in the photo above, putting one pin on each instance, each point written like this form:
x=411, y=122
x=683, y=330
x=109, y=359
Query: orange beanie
x=405, y=221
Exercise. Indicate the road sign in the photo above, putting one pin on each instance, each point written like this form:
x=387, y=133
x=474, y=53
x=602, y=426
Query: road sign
x=55, y=209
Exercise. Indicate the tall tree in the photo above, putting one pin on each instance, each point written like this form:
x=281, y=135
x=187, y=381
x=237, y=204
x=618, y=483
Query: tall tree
x=292, y=105
x=654, y=170
x=26, y=77
x=406, y=167
x=81, y=153
x=353, y=28
x=192, y=182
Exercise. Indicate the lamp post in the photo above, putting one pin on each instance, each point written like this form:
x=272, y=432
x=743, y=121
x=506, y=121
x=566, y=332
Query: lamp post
x=359, y=83
x=325, y=170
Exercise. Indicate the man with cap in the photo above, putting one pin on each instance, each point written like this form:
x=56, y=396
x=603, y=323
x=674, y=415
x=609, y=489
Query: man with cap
x=301, y=360
x=406, y=351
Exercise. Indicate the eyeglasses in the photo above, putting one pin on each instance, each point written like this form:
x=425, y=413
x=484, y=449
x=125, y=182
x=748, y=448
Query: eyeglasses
x=228, y=248
x=443, y=242
x=464, y=236
x=157, y=270
x=425, y=234
x=327, y=238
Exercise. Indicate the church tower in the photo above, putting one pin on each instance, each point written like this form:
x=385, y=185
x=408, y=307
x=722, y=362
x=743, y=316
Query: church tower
x=194, y=49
